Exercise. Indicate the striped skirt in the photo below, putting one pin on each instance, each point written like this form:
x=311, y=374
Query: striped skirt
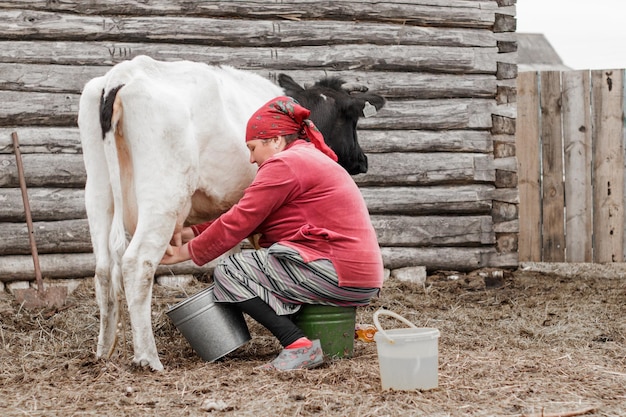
x=281, y=278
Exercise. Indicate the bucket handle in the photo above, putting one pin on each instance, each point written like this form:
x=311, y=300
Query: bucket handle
x=392, y=314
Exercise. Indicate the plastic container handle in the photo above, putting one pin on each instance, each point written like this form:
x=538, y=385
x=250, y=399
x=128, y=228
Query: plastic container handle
x=394, y=315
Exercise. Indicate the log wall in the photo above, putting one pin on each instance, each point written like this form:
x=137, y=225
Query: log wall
x=442, y=184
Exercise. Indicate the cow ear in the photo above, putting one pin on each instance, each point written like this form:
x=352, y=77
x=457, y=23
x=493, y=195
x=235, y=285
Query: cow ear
x=369, y=103
x=289, y=85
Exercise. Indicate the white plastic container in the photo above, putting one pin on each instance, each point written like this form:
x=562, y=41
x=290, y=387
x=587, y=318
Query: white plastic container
x=408, y=357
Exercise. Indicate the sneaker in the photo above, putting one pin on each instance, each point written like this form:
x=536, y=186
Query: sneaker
x=301, y=358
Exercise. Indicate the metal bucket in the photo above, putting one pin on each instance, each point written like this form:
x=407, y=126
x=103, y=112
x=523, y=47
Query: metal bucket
x=212, y=329
x=333, y=326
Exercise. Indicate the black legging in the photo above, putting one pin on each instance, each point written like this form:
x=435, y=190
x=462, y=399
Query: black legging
x=282, y=327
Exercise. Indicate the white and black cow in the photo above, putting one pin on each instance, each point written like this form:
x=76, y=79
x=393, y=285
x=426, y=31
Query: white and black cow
x=163, y=144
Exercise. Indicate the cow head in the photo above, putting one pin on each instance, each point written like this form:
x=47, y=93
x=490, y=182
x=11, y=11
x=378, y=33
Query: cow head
x=336, y=111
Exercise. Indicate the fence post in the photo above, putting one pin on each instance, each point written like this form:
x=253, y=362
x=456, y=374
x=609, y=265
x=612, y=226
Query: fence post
x=528, y=157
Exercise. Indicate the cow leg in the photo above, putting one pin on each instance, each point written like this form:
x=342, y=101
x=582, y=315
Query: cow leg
x=138, y=280
x=107, y=279
x=138, y=268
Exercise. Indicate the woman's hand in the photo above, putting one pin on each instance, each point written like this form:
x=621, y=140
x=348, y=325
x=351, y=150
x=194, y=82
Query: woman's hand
x=184, y=236
x=187, y=234
x=176, y=254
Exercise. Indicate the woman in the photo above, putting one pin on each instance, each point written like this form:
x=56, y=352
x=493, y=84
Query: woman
x=318, y=244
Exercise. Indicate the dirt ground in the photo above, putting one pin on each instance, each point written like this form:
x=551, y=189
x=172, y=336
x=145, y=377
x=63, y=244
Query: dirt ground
x=522, y=344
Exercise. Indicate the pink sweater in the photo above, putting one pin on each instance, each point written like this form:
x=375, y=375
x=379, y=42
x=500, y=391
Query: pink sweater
x=302, y=199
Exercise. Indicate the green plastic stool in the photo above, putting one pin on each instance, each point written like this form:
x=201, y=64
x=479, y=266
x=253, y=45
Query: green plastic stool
x=333, y=326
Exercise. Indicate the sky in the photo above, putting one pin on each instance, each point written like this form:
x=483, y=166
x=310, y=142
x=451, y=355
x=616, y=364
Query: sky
x=585, y=34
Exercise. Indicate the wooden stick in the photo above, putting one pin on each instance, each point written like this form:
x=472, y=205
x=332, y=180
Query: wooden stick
x=562, y=413
x=29, y=220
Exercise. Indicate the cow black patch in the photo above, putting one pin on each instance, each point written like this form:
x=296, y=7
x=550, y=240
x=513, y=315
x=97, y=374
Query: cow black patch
x=106, y=109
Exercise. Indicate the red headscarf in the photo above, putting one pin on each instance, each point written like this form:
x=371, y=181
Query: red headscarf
x=283, y=116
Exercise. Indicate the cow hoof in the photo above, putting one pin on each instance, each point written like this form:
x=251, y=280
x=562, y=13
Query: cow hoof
x=155, y=366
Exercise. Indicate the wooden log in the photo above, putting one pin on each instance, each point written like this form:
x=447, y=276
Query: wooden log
x=447, y=258
x=46, y=204
x=53, y=266
x=506, y=70
x=50, y=204
x=511, y=226
x=48, y=78
x=76, y=265
x=72, y=78
x=80, y=265
x=61, y=109
x=504, y=212
x=426, y=169
x=66, y=140
x=434, y=230
x=453, y=199
x=56, y=26
x=443, y=114
x=508, y=195
x=64, y=236
x=384, y=141
x=41, y=140
x=407, y=85
x=506, y=93
x=72, y=236
x=504, y=148
x=505, y=179
x=357, y=57
x=505, y=164
x=458, y=13
x=43, y=109
x=506, y=242
x=68, y=170
x=44, y=170
x=503, y=125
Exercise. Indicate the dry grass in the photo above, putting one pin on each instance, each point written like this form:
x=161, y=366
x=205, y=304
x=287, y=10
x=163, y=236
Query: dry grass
x=526, y=344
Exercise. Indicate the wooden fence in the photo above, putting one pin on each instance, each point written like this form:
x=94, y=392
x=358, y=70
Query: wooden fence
x=570, y=150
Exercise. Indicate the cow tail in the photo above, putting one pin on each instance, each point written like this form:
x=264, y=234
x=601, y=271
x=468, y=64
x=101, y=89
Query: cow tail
x=110, y=121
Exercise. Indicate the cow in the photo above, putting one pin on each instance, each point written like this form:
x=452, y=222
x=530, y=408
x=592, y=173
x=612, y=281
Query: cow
x=163, y=146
